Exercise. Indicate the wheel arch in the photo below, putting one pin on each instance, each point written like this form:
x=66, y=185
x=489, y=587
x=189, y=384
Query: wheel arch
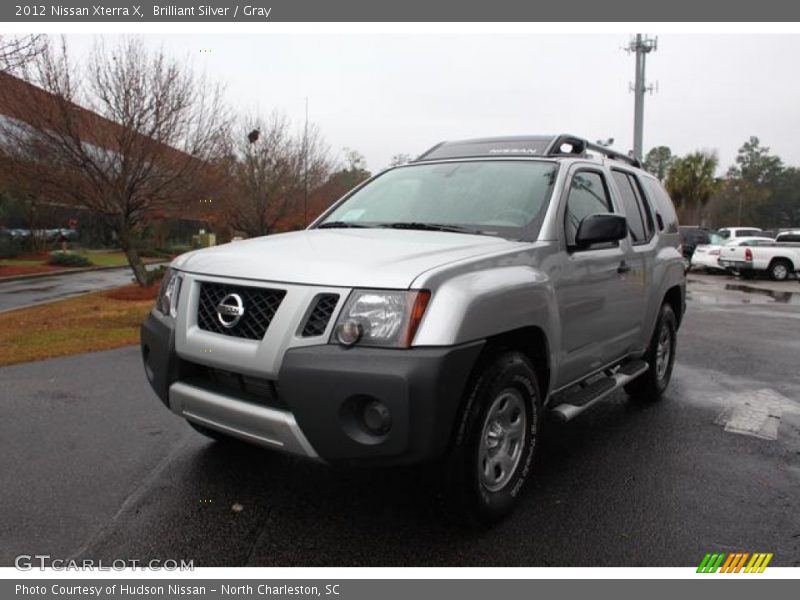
x=531, y=341
x=782, y=259
x=675, y=298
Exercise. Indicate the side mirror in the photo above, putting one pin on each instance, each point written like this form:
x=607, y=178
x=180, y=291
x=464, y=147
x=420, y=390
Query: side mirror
x=601, y=229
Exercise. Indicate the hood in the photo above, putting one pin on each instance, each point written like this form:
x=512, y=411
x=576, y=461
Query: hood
x=378, y=258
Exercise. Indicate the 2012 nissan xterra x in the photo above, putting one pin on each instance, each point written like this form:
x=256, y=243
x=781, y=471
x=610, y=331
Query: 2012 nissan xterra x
x=437, y=312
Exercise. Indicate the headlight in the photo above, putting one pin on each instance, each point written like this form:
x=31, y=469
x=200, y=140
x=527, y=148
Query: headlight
x=167, y=299
x=381, y=318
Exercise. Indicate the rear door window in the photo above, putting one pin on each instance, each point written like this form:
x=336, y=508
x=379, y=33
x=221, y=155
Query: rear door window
x=644, y=207
x=633, y=213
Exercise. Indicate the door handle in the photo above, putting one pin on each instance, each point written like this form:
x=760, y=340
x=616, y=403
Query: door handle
x=623, y=267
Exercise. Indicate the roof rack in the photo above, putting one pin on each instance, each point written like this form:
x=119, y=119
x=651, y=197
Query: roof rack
x=531, y=145
x=579, y=147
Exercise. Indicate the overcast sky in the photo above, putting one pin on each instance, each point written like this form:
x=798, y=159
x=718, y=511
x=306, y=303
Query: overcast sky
x=388, y=94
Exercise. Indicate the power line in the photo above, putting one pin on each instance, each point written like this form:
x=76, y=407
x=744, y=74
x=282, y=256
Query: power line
x=641, y=46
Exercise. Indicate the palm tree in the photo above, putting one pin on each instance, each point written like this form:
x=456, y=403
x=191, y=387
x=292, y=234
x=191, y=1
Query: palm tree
x=691, y=182
x=658, y=161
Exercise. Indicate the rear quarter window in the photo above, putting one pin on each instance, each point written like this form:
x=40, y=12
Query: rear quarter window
x=662, y=203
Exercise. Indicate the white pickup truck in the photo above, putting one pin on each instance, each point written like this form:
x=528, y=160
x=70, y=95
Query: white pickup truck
x=778, y=260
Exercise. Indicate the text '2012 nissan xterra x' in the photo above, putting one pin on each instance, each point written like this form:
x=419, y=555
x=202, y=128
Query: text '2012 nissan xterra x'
x=439, y=311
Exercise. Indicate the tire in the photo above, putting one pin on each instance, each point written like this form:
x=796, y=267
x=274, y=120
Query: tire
x=779, y=269
x=213, y=434
x=495, y=441
x=650, y=386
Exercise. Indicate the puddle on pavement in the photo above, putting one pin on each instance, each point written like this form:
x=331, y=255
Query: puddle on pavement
x=780, y=297
x=744, y=294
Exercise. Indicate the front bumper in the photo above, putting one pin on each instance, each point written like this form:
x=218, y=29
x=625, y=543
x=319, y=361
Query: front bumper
x=319, y=394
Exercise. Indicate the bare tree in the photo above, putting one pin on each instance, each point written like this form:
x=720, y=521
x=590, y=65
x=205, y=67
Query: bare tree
x=273, y=170
x=17, y=51
x=155, y=134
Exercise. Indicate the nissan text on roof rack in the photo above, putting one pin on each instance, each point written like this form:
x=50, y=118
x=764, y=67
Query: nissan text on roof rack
x=438, y=312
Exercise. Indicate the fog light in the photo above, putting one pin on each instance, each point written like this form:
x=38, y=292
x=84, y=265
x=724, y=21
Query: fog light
x=377, y=418
x=349, y=332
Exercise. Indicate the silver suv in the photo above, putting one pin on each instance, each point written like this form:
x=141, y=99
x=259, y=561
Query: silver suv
x=438, y=312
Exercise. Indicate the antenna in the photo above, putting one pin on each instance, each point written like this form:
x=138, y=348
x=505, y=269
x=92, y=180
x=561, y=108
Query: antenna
x=641, y=46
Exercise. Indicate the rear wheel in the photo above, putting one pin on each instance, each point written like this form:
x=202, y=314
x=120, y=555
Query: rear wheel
x=779, y=269
x=660, y=357
x=496, y=440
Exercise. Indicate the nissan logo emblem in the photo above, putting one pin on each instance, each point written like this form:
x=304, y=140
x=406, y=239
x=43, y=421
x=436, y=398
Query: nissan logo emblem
x=230, y=310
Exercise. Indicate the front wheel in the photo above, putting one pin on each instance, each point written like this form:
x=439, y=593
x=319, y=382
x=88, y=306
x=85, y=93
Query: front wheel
x=495, y=441
x=660, y=357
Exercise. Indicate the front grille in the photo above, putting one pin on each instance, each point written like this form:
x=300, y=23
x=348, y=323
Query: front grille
x=317, y=322
x=259, y=306
x=243, y=387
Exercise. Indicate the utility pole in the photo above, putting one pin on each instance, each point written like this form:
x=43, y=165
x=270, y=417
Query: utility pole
x=641, y=46
x=305, y=169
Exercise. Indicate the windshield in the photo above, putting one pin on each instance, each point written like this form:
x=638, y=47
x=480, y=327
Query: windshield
x=489, y=197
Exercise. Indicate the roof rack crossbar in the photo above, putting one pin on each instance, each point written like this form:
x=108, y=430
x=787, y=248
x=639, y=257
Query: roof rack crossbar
x=613, y=154
x=580, y=146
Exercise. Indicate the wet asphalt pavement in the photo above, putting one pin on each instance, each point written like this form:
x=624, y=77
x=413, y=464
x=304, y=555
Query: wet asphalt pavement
x=26, y=292
x=94, y=467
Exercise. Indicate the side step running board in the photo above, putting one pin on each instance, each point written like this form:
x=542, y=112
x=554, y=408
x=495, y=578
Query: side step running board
x=575, y=403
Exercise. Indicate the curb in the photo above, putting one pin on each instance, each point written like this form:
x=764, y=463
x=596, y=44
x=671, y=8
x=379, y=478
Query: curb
x=61, y=272
x=58, y=273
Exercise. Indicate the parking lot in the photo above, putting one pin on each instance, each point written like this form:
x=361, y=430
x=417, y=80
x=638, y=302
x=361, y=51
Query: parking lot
x=94, y=467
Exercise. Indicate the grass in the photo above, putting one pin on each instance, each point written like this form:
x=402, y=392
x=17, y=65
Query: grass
x=99, y=321
x=108, y=259
x=23, y=262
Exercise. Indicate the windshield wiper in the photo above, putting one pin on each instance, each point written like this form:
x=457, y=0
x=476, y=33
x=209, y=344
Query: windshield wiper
x=432, y=227
x=340, y=225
